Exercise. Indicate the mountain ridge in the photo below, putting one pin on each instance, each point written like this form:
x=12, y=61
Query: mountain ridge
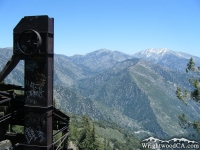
x=167, y=58
x=135, y=93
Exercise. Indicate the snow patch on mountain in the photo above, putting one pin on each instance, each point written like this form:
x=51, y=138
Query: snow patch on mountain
x=152, y=51
x=158, y=54
x=167, y=58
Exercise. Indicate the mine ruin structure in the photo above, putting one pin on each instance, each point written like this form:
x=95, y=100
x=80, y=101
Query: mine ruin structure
x=32, y=110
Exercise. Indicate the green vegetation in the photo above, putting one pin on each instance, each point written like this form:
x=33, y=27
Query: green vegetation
x=86, y=134
x=83, y=134
x=193, y=94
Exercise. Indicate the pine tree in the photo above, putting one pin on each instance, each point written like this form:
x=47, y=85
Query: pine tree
x=74, y=134
x=194, y=94
x=96, y=145
x=105, y=144
x=88, y=138
x=84, y=139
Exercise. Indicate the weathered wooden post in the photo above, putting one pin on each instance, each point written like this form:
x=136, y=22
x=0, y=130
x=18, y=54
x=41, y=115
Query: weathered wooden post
x=33, y=40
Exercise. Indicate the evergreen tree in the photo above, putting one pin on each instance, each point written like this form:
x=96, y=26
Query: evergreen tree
x=194, y=94
x=88, y=139
x=106, y=145
x=74, y=134
x=96, y=145
x=84, y=139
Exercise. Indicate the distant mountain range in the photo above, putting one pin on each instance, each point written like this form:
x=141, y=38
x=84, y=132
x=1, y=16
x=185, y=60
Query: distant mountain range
x=164, y=57
x=135, y=91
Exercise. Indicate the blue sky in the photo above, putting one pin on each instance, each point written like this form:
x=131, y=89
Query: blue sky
x=129, y=26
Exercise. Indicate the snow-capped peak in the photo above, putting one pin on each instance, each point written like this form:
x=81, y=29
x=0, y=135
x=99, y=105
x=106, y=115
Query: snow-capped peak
x=159, y=53
x=152, y=51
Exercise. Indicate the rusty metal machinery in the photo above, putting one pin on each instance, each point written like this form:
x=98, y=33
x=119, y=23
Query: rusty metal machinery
x=33, y=40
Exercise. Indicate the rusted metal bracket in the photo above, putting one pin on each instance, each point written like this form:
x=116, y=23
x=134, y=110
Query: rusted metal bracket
x=11, y=64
